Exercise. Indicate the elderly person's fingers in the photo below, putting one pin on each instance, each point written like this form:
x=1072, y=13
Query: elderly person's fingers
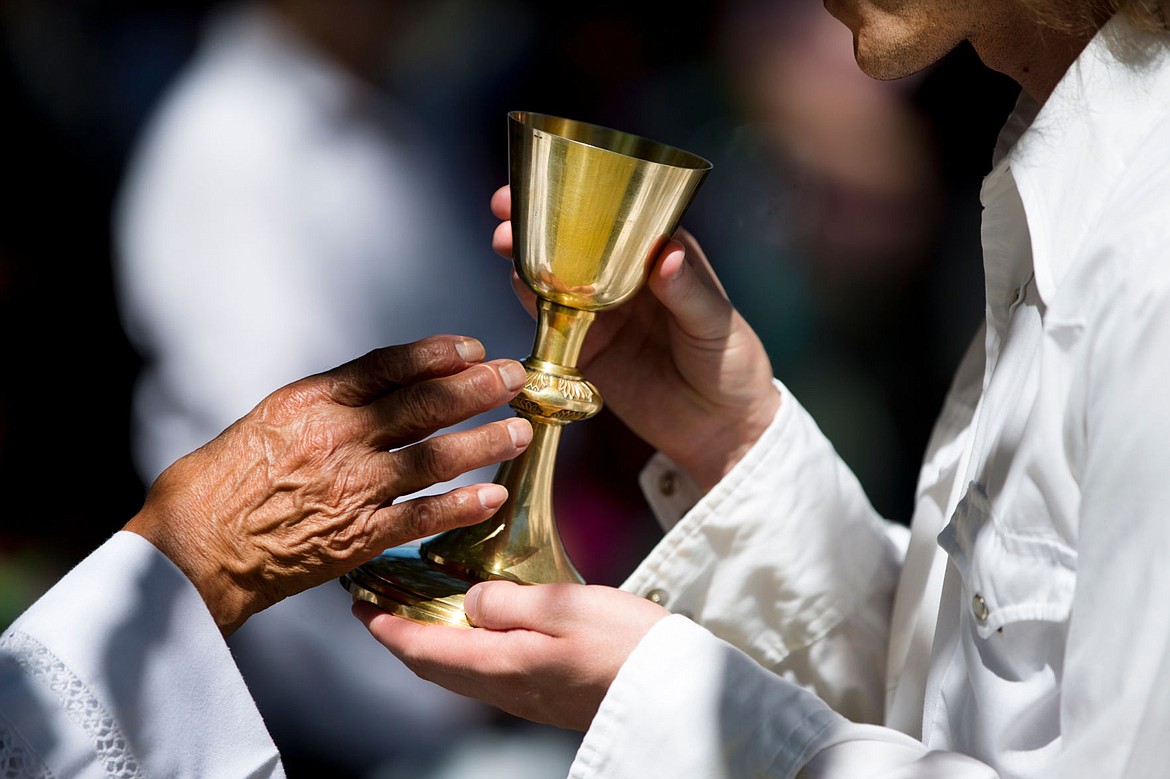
x=420, y=517
x=417, y=410
x=380, y=371
x=443, y=457
x=297, y=527
x=353, y=511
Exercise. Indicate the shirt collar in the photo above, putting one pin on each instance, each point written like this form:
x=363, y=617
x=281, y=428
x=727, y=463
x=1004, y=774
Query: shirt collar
x=1066, y=156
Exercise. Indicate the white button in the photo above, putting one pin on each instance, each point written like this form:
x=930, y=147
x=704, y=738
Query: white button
x=657, y=596
x=979, y=608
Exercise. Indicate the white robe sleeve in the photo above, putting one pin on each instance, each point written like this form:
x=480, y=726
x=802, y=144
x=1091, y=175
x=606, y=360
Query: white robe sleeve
x=789, y=574
x=688, y=704
x=120, y=671
x=785, y=559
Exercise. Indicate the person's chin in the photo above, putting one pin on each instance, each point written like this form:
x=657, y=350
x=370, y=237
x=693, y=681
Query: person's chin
x=842, y=11
x=847, y=13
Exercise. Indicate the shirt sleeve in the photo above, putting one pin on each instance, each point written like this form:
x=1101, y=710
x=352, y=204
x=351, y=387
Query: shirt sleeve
x=688, y=704
x=781, y=580
x=785, y=559
x=120, y=671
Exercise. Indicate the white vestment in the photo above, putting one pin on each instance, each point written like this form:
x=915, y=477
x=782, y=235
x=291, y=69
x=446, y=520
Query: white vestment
x=119, y=671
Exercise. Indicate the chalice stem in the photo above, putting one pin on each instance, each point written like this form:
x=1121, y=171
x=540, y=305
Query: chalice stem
x=521, y=541
x=560, y=332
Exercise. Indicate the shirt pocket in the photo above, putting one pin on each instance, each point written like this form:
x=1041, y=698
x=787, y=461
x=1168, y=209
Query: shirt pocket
x=1010, y=574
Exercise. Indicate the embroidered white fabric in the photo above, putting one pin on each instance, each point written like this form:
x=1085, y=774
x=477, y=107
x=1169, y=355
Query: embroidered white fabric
x=77, y=700
x=17, y=759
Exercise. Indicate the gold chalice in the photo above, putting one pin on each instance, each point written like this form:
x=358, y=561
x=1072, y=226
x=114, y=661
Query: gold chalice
x=591, y=210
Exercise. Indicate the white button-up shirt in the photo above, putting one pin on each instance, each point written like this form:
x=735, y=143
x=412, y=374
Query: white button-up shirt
x=1020, y=630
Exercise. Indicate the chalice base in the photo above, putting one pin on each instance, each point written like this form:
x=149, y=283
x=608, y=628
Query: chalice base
x=404, y=582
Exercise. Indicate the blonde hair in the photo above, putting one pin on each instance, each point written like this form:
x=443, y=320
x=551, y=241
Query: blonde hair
x=1078, y=16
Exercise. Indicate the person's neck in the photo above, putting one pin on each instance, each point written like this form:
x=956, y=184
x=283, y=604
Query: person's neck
x=1032, y=53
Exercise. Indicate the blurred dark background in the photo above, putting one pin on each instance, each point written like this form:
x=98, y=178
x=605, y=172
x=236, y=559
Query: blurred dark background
x=842, y=215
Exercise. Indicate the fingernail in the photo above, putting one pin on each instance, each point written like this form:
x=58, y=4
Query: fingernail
x=520, y=431
x=470, y=350
x=471, y=604
x=492, y=496
x=513, y=374
x=678, y=271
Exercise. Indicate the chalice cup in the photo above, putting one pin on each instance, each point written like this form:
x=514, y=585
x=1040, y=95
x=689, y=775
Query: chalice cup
x=592, y=208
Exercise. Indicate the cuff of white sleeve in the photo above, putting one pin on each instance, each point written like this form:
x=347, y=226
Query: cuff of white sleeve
x=125, y=639
x=672, y=493
x=688, y=704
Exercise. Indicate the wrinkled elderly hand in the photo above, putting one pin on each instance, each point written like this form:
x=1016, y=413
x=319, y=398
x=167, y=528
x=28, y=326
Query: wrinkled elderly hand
x=544, y=652
x=302, y=489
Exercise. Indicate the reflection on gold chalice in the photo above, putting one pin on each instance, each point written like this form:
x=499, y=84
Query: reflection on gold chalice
x=591, y=210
